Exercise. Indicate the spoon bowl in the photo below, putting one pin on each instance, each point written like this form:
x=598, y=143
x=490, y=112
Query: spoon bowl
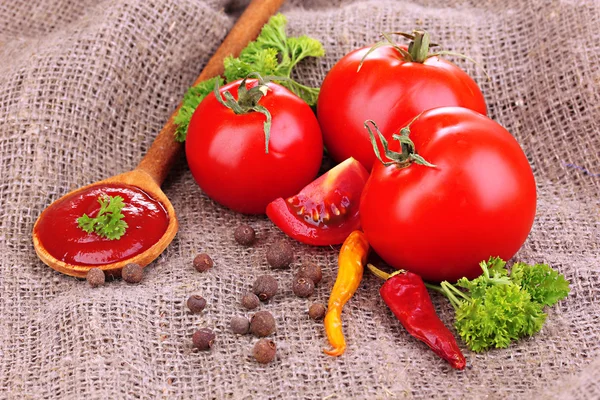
x=140, y=179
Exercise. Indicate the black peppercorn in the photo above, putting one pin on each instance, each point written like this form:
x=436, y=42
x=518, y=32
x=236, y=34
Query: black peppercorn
x=95, y=277
x=316, y=311
x=250, y=301
x=244, y=235
x=196, y=303
x=203, y=339
x=312, y=271
x=262, y=324
x=264, y=351
x=132, y=273
x=265, y=287
x=203, y=262
x=302, y=286
x=280, y=254
x=240, y=325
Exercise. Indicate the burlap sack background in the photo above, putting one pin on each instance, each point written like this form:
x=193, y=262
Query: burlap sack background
x=85, y=86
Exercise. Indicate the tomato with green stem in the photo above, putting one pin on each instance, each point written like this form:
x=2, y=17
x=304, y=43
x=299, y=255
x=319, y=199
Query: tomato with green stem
x=252, y=141
x=326, y=211
x=453, y=188
x=389, y=84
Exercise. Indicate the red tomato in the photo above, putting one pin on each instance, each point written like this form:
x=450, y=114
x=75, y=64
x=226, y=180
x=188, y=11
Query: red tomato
x=389, y=91
x=439, y=222
x=326, y=211
x=226, y=151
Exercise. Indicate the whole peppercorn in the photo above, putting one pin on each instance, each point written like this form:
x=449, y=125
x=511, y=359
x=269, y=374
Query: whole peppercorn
x=132, y=273
x=203, y=262
x=203, y=339
x=264, y=351
x=262, y=324
x=312, y=271
x=302, y=286
x=95, y=277
x=265, y=287
x=280, y=254
x=316, y=311
x=244, y=235
x=240, y=325
x=250, y=301
x=196, y=303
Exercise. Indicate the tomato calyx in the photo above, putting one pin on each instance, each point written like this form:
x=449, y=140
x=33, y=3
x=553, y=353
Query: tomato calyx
x=418, y=48
x=248, y=101
x=417, y=51
x=402, y=159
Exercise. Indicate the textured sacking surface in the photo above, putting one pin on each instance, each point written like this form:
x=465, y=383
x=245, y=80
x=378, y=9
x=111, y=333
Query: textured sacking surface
x=86, y=85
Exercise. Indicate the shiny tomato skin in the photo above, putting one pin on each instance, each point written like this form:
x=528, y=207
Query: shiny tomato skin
x=441, y=222
x=326, y=211
x=389, y=91
x=226, y=152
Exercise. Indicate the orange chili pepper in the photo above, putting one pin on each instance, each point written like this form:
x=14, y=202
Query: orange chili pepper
x=351, y=263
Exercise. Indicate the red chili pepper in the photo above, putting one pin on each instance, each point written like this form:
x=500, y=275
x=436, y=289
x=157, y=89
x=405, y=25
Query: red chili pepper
x=407, y=297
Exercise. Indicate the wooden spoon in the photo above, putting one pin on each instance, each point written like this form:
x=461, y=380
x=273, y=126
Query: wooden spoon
x=154, y=167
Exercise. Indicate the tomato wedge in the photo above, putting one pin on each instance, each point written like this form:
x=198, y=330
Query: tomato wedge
x=326, y=210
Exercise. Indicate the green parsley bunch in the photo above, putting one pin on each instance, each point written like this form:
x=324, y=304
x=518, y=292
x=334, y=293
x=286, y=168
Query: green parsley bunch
x=498, y=308
x=273, y=54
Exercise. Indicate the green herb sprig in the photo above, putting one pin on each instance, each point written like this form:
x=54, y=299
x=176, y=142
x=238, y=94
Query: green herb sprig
x=108, y=222
x=498, y=308
x=273, y=53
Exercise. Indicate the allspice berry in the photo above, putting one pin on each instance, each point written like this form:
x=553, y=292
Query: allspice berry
x=302, y=286
x=203, y=262
x=196, y=303
x=244, y=235
x=264, y=351
x=240, y=325
x=250, y=301
x=262, y=324
x=95, y=277
x=317, y=311
x=280, y=254
x=312, y=271
x=132, y=273
x=203, y=339
x=265, y=287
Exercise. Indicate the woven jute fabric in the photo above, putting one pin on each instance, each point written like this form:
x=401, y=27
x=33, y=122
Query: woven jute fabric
x=86, y=85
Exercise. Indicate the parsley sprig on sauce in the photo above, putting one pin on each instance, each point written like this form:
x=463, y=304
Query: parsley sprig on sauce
x=273, y=54
x=108, y=222
x=498, y=308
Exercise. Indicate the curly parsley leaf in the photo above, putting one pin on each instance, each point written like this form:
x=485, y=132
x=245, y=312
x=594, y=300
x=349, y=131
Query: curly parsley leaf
x=191, y=100
x=272, y=54
x=498, y=308
x=108, y=222
x=275, y=54
x=494, y=273
x=545, y=285
x=505, y=314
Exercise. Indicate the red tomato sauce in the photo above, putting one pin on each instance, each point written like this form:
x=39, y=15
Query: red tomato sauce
x=61, y=236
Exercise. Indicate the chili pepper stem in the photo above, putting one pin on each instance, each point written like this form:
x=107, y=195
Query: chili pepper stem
x=378, y=273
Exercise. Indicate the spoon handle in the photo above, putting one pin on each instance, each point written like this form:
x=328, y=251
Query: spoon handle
x=165, y=149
